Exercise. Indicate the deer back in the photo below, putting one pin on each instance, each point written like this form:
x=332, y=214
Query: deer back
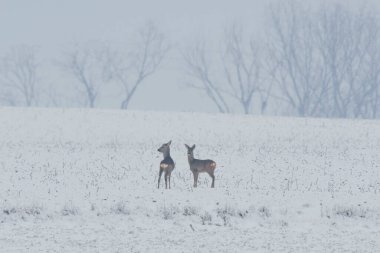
x=198, y=165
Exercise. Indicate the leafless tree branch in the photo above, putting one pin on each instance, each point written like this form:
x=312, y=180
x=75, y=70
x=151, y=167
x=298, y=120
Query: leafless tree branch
x=18, y=76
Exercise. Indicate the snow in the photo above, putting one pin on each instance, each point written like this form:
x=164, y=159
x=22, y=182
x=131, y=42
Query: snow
x=80, y=180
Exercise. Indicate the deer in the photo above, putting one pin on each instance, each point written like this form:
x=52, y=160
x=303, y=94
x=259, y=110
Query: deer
x=199, y=166
x=167, y=165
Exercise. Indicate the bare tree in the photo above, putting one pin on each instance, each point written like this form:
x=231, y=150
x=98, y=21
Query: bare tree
x=297, y=67
x=87, y=65
x=348, y=43
x=242, y=68
x=370, y=104
x=18, y=76
x=236, y=76
x=338, y=37
x=325, y=59
x=366, y=90
x=197, y=65
x=131, y=69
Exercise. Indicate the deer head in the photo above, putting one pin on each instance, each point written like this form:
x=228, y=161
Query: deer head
x=190, y=151
x=165, y=148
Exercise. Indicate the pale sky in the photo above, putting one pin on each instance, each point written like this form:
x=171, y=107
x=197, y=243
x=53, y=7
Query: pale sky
x=51, y=25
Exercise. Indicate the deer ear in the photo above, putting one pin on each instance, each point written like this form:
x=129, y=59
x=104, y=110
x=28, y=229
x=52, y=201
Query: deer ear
x=187, y=146
x=193, y=147
x=170, y=142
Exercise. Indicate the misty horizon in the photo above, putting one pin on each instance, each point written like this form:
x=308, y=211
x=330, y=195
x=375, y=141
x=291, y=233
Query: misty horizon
x=54, y=29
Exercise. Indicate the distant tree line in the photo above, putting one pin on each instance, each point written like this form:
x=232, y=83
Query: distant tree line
x=326, y=63
x=311, y=62
x=91, y=66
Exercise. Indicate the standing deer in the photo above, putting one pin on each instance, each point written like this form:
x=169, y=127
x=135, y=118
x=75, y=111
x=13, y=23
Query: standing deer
x=167, y=165
x=198, y=166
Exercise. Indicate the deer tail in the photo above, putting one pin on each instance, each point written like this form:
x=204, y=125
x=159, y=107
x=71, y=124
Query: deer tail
x=214, y=165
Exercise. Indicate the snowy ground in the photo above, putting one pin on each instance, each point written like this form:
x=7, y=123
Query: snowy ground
x=85, y=181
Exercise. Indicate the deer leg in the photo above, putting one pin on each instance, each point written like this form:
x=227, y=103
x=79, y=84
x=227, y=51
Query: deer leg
x=195, y=174
x=213, y=179
x=166, y=180
x=159, y=177
x=169, y=176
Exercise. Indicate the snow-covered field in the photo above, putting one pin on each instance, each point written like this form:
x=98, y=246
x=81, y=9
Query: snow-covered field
x=85, y=181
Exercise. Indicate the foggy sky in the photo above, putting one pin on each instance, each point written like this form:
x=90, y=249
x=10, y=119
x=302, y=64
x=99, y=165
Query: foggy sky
x=51, y=25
